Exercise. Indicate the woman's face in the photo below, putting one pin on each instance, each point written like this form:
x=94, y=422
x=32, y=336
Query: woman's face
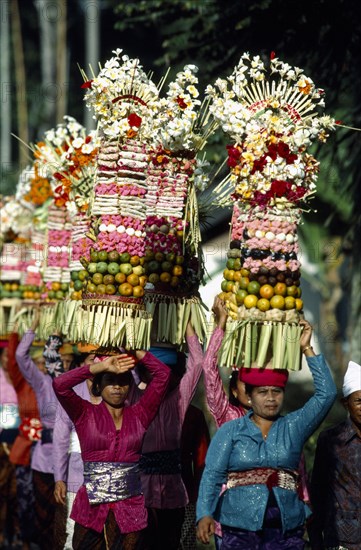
x=267, y=401
x=114, y=389
x=67, y=359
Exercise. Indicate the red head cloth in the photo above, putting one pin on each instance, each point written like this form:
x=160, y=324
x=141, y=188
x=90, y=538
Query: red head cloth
x=264, y=377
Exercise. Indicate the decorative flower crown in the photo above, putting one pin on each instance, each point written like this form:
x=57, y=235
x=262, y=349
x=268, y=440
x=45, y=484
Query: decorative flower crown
x=127, y=105
x=67, y=158
x=271, y=122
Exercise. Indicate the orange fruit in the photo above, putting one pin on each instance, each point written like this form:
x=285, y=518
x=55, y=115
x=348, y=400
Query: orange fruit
x=250, y=301
x=91, y=287
x=138, y=291
x=237, y=276
x=143, y=280
x=55, y=286
x=290, y=302
x=174, y=282
x=177, y=270
x=277, y=302
x=120, y=277
x=108, y=279
x=134, y=260
x=76, y=295
x=97, y=278
x=110, y=289
x=133, y=279
x=266, y=291
x=280, y=289
x=228, y=274
x=125, y=289
x=299, y=304
x=245, y=272
x=100, y=289
x=165, y=277
x=263, y=304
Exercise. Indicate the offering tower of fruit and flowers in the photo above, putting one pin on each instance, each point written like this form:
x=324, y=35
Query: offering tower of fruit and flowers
x=272, y=120
x=143, y=268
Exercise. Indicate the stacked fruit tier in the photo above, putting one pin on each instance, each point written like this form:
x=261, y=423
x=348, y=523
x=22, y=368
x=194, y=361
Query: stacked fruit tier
x=113, y=278
x=115, y=261
x=12, y=262
x=167, y=185
x=57, y=246
x=261, y=288
x=171, y=264
x=262, y=277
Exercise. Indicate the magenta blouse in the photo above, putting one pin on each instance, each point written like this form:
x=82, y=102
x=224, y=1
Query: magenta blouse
x=100, y=441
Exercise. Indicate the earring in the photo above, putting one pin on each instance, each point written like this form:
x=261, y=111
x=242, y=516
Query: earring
x=249, y=401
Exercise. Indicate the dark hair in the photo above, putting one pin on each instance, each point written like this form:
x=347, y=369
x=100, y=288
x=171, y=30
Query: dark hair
x=233, y=386
x=96, y=388
x=79, y=358
x=248, y=388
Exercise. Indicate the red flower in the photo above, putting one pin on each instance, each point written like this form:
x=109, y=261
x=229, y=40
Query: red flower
x=283, y=149
x=134, y=120
x=58, y=176
x=272, y=55
x=259, y=164
x=233, y=155
x=279, y=188
x=182, y=104
x=87, y=84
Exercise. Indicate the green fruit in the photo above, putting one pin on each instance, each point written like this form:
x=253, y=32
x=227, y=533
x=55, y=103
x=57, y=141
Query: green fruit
x=51, y=294
x=63, y=286
x=127, y=269
x=74, y=275
x=113, y=256
x=102, y=267
x=253, y=287
x=240, y=296
x=230, y=263
x=167, y=266
x=224, y=284
x=124, y=258
x=102, y=256
x=78, y=285
x=59, y=294
x=113, y=268
x=82, y=275
x=153, y=266
x=92, y=267
x=94, y=256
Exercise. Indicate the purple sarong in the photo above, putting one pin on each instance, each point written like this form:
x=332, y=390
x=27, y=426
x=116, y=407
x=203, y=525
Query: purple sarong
x=270, y=537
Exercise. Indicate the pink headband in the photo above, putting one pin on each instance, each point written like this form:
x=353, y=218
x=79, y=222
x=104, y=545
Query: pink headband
x=264, y=377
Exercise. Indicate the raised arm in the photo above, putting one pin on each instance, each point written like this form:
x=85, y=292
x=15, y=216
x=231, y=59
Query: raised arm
x=189, y=381
x=217, y=399
x=63, y=387
x=26, y=365
x=148, y=404
x=314, y=411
